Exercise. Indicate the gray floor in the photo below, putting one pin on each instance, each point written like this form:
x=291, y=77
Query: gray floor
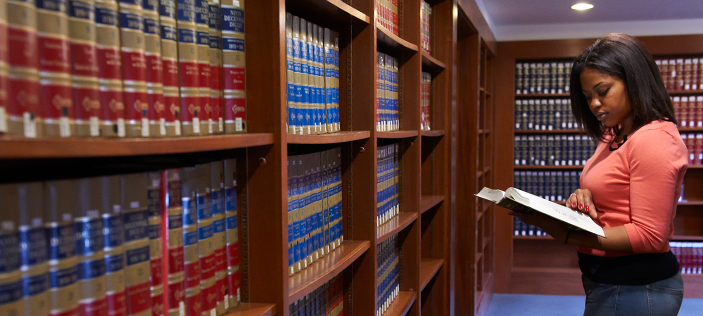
x=561, y=305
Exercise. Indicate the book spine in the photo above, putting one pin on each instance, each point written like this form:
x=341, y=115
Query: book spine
x=307, y=209
x=170, y=120
x=318, y=38
x=219, y=239
x=380, y=85
x=335, y=116
x=113, y=246
x=136, y=244
x=3, y=84
x=174, y=236
x=232, y=234
x=54, y=68
x=84, y=67
x=324, y=222
x=215, y=54
x=191, y=252
x=329, y=78
x=134, y=68
x=110, y=105
x=202, y=15
x=292, y=106
x=33, y=249
x=189, y=79
x=63, y=273
x=205, y=237
x=155, y=242
x=23, y=109
x=289, y=200
x=10, y=277
x=312, y=79
x=156, y=108
x=317, y=209
x=296, y=209
x=234, y=66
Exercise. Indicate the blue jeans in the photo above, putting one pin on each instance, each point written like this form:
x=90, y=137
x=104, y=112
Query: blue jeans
x=661, y=298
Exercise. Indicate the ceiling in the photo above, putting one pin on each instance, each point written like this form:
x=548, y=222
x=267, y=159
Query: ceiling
x=512, y=20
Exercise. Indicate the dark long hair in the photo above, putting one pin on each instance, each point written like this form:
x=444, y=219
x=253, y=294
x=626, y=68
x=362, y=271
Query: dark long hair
x=623, y=57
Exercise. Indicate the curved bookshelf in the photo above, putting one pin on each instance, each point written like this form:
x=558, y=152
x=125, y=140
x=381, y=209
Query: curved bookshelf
x=331, y=138
x=428, y=269
x=397, y=135
x=331, y=13
x=325, y=269
x=401, y=305
x=393, y=41
x=394, y=225
x=252, y=309
x=434, y=133
x=431, y=62
x=39, y=148
x=427, y=202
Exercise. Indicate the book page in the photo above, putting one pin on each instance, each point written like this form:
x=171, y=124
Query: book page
x=491, y=194
x=560, y=212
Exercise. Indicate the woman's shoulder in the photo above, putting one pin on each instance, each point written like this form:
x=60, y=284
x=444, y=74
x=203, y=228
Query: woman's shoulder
x=657, y=133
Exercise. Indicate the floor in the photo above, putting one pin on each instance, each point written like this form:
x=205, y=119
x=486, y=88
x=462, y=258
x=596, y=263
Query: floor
x=561, y=305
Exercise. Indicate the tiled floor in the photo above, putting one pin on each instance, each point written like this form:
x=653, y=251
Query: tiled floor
x=561, y=305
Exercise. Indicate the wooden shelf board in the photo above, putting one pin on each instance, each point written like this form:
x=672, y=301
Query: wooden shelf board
x=27, y=148
x=391, y=40
x=554, y=131
x=329, y=13
x=428, y=269
x=401, y=305
x=542, y=95
x=396, y=135
x=532, y=238
x=252, y=309
x=427, y=202
x=690, y=129
x=685, y=92
x=695, y=166
x=429, y=61
x=548, y=167
x=394, y=225
x=691, y=203
x=331, y=138
x=434, y=133
x=325, y=269
x=687, y=238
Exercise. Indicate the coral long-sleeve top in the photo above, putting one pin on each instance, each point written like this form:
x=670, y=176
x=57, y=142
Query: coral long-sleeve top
x=638, y=186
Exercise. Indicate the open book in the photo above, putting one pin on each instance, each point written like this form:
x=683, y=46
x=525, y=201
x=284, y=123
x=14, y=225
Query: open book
x=521, y=201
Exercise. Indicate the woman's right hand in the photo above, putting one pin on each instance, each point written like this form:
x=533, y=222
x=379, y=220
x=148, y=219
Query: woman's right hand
x=582, y=201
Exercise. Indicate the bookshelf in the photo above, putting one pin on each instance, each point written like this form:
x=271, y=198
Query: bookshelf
x=556, y=270
x=432, y=196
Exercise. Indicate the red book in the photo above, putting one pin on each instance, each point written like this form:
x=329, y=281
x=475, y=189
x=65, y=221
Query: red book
x=202, y=17
x=3, y=71
x=154, y=230
x=699, y=111
x=690, y=145
x=205, y=237
x=169, y=59
x=134, y=68
x=216, y=88
x=113, y=245
x=188, y=69
x=219, y=239
x=84, y=68
x=174, y=239
x=698, y=155
x=676, y=104
x=111, y=104
x=154, y=69
x=233, y=66
x=191, y=252
x=685, y=112
x=232, y=233
x=23, y=110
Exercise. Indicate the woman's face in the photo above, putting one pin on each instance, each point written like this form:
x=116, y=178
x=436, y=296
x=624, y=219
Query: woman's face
x=607, y=98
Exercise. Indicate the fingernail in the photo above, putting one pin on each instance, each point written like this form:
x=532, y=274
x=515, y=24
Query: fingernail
x=587, y=207
x=580, y=205
x=573, y=204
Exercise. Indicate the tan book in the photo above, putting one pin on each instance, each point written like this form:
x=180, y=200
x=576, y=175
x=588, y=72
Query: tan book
x=134, y=68
x=234, y=66
x=232, y=233
x=111, y=213
x=110, y=103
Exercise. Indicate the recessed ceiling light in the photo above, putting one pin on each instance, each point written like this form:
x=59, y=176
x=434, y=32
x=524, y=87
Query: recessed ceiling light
x=582, y=6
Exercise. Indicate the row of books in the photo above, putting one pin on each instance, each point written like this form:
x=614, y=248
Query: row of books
x=688, y=110
x=689, y=254
x=544, y=115
x=387, y=273
x=387, y=14
x=314, y=207
x=387, y=105
x=425, y=22
x=387, y=176
x=327, y=300
x=122, y=68
x=694, y=143
x=681, y=73
x=426, y=101
x=96, y=246
x=312, y=75
x=553, y=150
x=549, y=185
x=542, y=77
x=521, y=228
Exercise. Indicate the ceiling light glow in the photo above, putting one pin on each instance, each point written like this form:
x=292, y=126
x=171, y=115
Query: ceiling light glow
x=582, y=6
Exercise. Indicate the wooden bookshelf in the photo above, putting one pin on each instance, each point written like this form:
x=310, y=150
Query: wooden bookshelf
x=394, y=226
x=552, y=274
x=429, y=201
x=428, y=270
x=331, y=138
x=401, y=305
x=556, y=131
x=248, y=309
x=434, y=133
x=397, y=135
x=392, y=41
x=431, y=62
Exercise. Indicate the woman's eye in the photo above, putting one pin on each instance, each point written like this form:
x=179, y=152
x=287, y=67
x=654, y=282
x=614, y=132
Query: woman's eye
x=603, y=92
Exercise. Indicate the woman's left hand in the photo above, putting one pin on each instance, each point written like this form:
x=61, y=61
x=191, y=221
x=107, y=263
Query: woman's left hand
x=555, y=228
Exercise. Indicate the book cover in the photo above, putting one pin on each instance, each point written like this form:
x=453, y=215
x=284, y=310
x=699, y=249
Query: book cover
x=23, y=107
x=171, y=119
x=87, y=200
x=317, y=207
x=113, y=246
x=191, y=252
x=156, y=108
x=337, y=197
x=380, y=87
x=219, y=239
x=155, y=242
x=188, y=71
x=84, y=67
x=110, y=99
x=335, y=114
x=234, y=66
x=309, y=113
x=329, y=78
x=54, y=68
x=319, y=62
x=306, y=220
x=291, y=104
x=11, y=277
x=134, y=68
x=205, y=238
x=297, y=210
x=290, y=212
x=59, y=209
x=324, y=215
x=174, y=238
x=137, y=268
x=3, y=69
x=312, y=78
x=232, y=233
x=202, y=16
x=34, y=265
x=216, y=87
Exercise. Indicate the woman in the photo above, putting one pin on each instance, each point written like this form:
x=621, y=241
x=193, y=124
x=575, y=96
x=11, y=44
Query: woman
x=629, y=186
